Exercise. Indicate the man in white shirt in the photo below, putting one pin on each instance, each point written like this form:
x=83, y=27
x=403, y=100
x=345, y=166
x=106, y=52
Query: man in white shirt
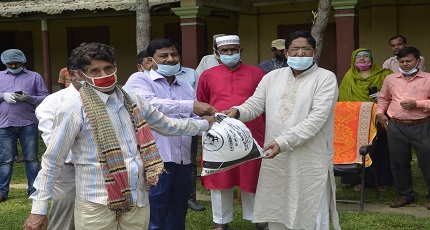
x=115, y=156
x=398, y=42
x=210, y=60
x=64, y=189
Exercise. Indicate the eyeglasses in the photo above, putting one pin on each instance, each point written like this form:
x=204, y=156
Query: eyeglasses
x=362, y=56
x=228, y=51
x=294, y=51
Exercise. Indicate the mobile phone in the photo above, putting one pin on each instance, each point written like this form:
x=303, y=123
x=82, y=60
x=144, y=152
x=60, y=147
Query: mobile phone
x=18, y=92
x=373, y=90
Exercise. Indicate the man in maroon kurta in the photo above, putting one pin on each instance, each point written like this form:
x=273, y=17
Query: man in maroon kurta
x=224, y=86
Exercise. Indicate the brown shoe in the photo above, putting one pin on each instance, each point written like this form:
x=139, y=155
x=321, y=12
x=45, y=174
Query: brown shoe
x=400, y=202
x=2, y=198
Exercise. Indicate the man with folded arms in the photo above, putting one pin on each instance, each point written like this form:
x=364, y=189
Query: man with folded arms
x=405, y=96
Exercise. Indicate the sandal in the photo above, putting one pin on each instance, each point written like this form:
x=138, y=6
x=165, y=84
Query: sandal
x=262, y=226
x=357, y=188
x=220, y=226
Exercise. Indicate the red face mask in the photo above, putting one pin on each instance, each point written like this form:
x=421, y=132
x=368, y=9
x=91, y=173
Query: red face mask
x=103, y=83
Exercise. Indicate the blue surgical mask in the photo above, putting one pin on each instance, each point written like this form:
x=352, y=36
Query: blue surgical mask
x=167, y=70
x=146, y=71
x=300, y=63
x=230, y=60
x=410, y=72
x=15, y=71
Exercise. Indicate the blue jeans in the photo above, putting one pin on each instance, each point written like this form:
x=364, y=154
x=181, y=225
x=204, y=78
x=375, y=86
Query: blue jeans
x=28, y=137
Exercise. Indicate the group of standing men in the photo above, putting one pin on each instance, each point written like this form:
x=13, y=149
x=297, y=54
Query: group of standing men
x=123, y=160
x=403, y=110
x=130, y=175
x=130, y=147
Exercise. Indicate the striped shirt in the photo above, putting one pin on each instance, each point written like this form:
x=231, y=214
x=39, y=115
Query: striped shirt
x=72, y=132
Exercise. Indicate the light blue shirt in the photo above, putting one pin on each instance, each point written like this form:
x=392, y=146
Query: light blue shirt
x=175, y=101
x=189, y=76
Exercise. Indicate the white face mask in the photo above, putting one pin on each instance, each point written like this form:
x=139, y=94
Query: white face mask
x=410, y=72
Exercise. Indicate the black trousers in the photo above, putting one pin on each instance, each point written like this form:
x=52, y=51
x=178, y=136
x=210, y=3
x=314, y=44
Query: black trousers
x=400, y=140
x=194, y=146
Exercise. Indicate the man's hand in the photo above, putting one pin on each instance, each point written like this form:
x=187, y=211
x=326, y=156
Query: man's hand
x=21, y=97
x=381, y=118
x=273, y=149
x=9, y=97
x=210, y=119
x=408, y=104
x=230, y=113
x=36, y=222
x=203, y=109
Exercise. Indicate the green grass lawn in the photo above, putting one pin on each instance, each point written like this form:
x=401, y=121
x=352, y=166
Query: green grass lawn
x=15, y=210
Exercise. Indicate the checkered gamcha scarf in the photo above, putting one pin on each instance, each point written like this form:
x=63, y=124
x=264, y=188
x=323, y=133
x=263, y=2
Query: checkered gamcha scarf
x=109, y=151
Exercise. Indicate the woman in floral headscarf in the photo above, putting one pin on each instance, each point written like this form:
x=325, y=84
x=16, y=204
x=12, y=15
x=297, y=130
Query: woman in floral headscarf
x=362, y=82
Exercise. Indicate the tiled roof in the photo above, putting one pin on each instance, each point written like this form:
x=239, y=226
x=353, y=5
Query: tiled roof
x=10, y=8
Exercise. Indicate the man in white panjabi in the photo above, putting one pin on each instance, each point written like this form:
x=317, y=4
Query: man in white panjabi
x=210, y=60
x=296, y=189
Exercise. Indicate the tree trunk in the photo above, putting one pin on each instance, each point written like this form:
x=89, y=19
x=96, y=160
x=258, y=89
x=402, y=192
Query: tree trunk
x=143, y=25
x=320, y=23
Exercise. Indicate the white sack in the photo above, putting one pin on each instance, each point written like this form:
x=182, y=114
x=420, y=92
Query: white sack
x=227, y=144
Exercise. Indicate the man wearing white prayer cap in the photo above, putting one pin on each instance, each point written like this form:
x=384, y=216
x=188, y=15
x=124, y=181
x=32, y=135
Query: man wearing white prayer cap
x=224, y=86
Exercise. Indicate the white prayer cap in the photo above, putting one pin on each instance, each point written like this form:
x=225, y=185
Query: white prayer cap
x=228, y=40
x=217, y=36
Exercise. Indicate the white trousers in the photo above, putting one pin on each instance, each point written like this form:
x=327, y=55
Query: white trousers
x=222, y=205
x=323, y=217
